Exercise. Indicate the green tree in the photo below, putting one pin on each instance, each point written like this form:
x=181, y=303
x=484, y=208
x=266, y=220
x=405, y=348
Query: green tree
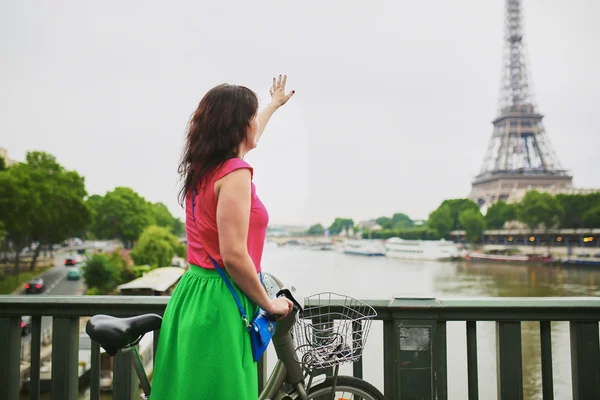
x=473, y=223
x=18, y=202
x=63, y=212
x=592, y=217
x=457, y=206
x=402, y=221
x=122, y=258
x=341, y=224
x=102, y=274
x=500, y=213
x=441, y=221
x=41, y=202
x=156, y=247
x=539, y=208
x=2, y=164
x=384, y=222
x=575, y=206
x=121, y=214
x=163, y=217
x=316, y=230
x=178, y=228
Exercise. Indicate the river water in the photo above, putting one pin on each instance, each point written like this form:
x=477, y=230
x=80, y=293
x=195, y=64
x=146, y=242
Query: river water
x=382, y=278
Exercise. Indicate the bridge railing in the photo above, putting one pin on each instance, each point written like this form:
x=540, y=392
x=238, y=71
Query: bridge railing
x=414, y=338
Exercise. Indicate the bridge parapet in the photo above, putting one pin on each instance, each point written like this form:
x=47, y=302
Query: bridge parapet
x=414, y=342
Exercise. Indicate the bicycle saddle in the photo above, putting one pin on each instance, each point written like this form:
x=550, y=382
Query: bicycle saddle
x=115, y=333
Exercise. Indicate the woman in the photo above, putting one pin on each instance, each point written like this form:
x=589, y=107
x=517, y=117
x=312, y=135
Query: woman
x=204, y=351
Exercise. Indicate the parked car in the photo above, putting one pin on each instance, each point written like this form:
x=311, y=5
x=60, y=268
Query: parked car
x=25, y=325
x=35, y=285
x=74, y=274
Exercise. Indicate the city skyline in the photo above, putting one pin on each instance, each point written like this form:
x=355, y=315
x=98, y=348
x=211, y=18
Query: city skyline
x=391, y=113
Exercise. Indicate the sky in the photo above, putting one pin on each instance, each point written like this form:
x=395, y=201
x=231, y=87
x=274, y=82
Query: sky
x=392, y=111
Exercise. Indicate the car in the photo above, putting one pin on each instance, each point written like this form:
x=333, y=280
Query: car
x=35, y=285
x=73, y=260
x=25, y=325
x=74, y=275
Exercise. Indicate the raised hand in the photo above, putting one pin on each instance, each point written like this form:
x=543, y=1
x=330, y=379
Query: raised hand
x=277, y=91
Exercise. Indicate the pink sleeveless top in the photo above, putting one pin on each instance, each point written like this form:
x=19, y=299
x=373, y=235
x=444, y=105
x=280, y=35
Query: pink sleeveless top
x=202, y=235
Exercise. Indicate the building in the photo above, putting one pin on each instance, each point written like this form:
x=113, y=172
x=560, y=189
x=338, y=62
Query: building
x=8, y=161
x=156, y=282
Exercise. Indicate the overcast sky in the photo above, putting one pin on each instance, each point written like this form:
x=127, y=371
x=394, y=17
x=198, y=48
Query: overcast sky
x=393, y=106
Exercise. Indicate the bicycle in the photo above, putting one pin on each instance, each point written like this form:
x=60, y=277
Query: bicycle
x=332, y=330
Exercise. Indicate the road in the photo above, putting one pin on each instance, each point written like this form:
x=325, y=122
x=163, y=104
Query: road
x=55, y=280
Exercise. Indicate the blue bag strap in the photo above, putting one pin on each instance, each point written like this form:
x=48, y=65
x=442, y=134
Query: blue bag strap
x=220, y=271
x=235, y=296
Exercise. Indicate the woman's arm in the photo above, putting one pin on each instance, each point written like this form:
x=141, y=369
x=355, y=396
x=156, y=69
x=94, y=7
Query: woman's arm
x=233, y=217
x=278, y=98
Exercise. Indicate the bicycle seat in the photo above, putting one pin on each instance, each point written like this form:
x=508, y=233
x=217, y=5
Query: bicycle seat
x=116, y=333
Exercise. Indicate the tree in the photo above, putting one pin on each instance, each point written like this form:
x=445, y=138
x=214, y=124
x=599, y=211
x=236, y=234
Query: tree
x=473, y=223
x=156, y=247
x=121, y=214
x=341, y=224
x=402, y=221
x=62, y=211
x=539, y=208
x=2, y=164
x=457, y=206
x=316, y=230
x=163, y=217
x=41, y=202
x=384, y=222
x=102, y=274
x=441, y=221
x=591, y=218
x=178, y=228
x=18, y=202
x=500, y=213
x=574, y=207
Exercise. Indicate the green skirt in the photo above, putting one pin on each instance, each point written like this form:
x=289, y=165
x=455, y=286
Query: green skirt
x=204, y=351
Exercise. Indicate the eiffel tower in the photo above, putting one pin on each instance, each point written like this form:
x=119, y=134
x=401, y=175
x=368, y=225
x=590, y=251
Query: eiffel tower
x=519, y=155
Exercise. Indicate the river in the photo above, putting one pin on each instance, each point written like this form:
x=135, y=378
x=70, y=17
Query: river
x=382, y=278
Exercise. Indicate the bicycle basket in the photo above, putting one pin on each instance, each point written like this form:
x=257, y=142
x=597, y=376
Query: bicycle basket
x=333, y=330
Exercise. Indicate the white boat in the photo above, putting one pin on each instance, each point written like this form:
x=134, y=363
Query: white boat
x=363, y=248
x=420, y=249
x=324, y=244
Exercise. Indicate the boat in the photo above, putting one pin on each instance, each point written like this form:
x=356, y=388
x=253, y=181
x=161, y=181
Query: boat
x=363, y=248
x=437, y=250
x=321, y=245
x=580, y=261
x=510, y=258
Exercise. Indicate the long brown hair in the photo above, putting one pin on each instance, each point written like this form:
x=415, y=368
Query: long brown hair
x=215, y=133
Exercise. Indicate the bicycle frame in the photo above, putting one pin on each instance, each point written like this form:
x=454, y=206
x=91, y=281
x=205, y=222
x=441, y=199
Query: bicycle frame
x=287, y=369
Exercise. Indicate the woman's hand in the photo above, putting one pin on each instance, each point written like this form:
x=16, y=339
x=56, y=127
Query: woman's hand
x=280, y=307
x=277, y=91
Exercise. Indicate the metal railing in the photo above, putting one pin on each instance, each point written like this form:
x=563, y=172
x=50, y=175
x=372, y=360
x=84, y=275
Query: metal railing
x=414, y=335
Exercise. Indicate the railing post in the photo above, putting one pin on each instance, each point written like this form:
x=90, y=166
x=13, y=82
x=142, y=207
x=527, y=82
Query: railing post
x=65, y=357
x=10, y=360
x=509, y=360
x=125, y=385
x=585, y=360
x=95, y=371
x=420, y=354
x=390, y=360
